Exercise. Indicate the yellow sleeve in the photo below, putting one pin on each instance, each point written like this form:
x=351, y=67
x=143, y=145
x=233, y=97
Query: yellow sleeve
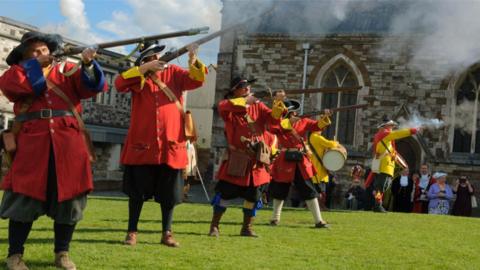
x=274, y=147
x=285, y=124
x=324, y=121
x=317, y=139
x=397, y=134
x=132, y=73
x=241, y=101
x=197, y=71
x=278, y=108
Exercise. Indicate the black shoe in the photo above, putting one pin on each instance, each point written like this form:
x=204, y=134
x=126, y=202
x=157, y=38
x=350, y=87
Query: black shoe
x=321, y=225
x=379, y=209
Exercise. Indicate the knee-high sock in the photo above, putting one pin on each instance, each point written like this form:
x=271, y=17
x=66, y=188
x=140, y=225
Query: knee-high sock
x=167, y=217
x=63, y=236
x=277, y=209
x=17, y=235
x=134, y=210
x=315, y=209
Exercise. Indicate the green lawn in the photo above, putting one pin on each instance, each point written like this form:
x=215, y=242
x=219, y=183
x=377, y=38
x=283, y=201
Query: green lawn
x=356, y=240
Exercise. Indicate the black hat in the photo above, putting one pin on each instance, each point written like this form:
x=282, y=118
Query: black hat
x=237, y=83
x=387, y=122
x=291, y=104
x=149, y=48
x=53, y=42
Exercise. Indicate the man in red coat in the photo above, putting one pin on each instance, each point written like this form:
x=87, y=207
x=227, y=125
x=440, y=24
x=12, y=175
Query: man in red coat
x=51, y=172
x=155, y=152
x=241, y=174
x=293, y=166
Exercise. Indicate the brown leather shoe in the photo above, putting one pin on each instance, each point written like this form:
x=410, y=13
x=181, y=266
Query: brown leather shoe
x=15, y=262
x=168, y=240
x=131, y=239
x=63, y=261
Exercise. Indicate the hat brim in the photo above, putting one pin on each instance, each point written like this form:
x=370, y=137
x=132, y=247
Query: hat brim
x=53, y=42
x=150, y=52
x=389, y=123
x=292, y=105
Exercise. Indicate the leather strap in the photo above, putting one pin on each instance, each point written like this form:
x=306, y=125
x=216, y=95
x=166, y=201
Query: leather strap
x=42, y=114
x=169, y=93
x=81, y=124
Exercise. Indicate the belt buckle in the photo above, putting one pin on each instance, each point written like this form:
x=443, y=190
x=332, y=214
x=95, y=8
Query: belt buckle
x=45, y=113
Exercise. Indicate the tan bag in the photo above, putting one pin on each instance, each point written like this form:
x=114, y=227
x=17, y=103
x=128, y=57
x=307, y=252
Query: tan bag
x=190, y=129
x=237, y=163
x=8, y=140
x=263, y=153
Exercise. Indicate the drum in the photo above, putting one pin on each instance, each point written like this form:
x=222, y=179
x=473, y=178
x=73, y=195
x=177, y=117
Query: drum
x=334, y=158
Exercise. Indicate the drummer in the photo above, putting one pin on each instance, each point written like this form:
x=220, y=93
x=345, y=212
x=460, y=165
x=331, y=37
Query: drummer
x=318, y=146
x=292, y=165
x=385, y=158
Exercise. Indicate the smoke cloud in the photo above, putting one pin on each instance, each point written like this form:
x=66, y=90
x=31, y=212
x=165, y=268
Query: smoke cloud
x=416, y=121
x=464, y=116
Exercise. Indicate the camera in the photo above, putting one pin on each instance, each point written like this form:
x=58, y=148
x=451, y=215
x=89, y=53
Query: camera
x=462, y=180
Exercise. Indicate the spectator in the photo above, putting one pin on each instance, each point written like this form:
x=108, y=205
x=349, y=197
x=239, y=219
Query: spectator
x=422, y=184
x=355, y=196
x=439, y=195
x=332, y=182
x=463, y=202
x=402, y=188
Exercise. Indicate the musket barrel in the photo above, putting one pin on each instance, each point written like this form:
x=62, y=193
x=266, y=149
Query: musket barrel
x=78, y=49
x=338, y=109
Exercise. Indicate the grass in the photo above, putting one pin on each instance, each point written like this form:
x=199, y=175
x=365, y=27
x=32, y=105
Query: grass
x=356, y=240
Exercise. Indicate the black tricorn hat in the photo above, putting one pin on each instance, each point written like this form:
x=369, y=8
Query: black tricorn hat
x=292, y=105
x=387, y=122
x=53, y=42
x=237, y=83
x=149, y=48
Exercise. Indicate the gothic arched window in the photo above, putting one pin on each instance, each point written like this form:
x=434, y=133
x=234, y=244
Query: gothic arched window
x=466, y=138
x=340, y=75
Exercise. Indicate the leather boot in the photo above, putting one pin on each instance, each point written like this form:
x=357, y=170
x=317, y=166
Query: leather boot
x=168, y=240
x=15, y=262
x=247, y=226
x=63, y=261
x=214, y=230
x=131, y=239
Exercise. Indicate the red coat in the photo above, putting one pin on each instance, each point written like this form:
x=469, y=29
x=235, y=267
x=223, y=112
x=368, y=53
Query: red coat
x=156, y=134
x=283, y=170
x=235, y=127
x=28, y=174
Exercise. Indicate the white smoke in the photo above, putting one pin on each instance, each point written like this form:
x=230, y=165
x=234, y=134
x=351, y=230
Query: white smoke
x=464, y=116
x=416, y=121
x=443, y=30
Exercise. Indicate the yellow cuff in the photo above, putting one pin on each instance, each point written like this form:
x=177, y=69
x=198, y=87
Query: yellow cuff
x=277, y=109
x=197, y=71
x=239, y=101
x=132, y=73
x=324, y=122
x=248, y=205
x=285, y=124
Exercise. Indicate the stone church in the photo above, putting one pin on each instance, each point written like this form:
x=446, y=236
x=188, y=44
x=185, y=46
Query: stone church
x=281, y=52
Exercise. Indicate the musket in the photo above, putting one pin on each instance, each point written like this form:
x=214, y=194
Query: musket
x=325, y=90
x=67, y=51
x=338, y=109
x=169, y=56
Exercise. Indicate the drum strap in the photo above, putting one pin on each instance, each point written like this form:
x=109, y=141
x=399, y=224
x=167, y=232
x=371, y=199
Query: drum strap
x=312, y=148
x=295, y=134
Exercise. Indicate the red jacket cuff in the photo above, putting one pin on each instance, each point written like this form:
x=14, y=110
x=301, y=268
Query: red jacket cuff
x=413, y=131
